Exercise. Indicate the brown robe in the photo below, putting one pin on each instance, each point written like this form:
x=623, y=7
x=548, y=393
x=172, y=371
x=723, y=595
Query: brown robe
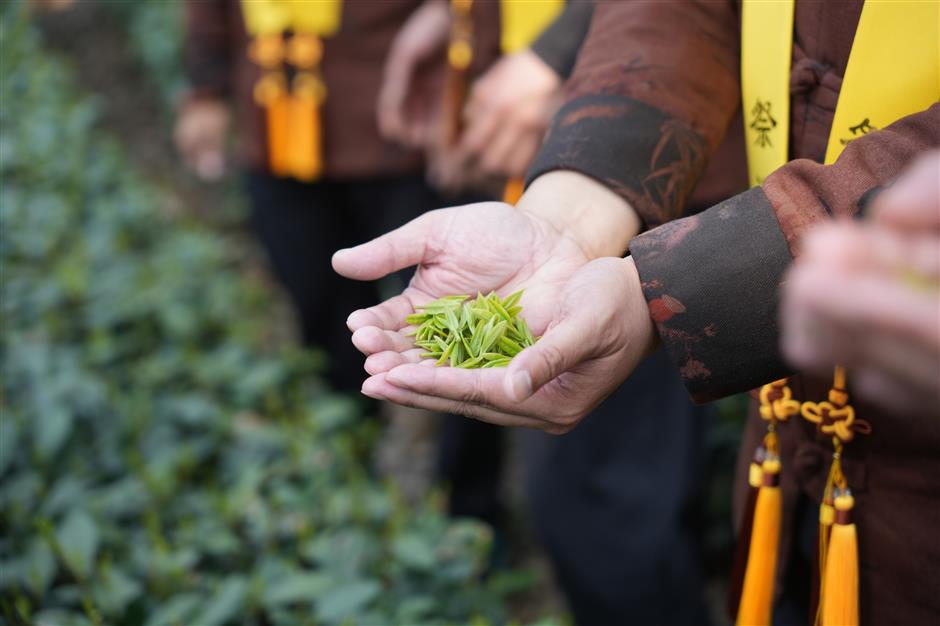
x=218, y=66
x=651, y=96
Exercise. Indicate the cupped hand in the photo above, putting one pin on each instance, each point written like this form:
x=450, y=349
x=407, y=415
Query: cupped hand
x=484, y=247
x=598, y=330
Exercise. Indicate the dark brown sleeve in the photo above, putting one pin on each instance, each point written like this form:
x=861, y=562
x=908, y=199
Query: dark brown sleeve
x=711, y=281
x=558, y=44
x=208, y=47
x=653, y=90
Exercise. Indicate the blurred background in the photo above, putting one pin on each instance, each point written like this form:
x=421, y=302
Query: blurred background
x=170, y=451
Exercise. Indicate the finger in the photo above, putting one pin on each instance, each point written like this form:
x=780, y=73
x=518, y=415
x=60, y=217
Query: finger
x=372, y=339
x=396, y=83
x=484, y=388
x=496, y=154
x=889, y=306
x=403, y=247
x=857, y=247
x=480, y=130
x=522, y=155
x=384, y=361
x=390, y=315
x=913, y=202
x=560, y=349
x=831, y=318
x=379, y=388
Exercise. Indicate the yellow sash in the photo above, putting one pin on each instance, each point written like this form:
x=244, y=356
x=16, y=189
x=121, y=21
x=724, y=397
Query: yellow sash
x=893, y=71
x=522, y=21
x=292, y=111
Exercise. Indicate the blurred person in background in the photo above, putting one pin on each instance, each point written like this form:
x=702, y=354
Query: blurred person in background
x=654, y=90
x=614, y=502
x=302, y=79
x=867, y=295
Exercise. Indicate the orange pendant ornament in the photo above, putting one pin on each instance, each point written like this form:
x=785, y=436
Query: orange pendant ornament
x=755, y=602
x=287, y=42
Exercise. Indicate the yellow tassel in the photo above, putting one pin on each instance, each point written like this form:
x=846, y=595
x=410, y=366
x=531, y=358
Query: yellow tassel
x=513, y=190
x=305, y=147
x=840, y=578
x=743, y=543
x=758, y=591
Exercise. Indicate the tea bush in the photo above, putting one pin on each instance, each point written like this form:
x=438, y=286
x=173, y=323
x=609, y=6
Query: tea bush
x=160, y=463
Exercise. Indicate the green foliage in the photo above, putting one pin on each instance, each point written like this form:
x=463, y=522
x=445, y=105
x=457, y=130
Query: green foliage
x=155, y=39
x=160, y=463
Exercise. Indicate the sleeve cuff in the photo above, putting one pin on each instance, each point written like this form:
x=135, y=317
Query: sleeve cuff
x=649, y=158
x=712, y=285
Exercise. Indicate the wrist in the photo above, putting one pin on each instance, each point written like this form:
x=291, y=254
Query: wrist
x=577, y=206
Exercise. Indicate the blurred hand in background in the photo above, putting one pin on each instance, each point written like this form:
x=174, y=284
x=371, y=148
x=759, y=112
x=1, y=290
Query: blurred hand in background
x=867, y=295
x=200, y=135
x=508, y=112
x=413, y=80
x=505, y=119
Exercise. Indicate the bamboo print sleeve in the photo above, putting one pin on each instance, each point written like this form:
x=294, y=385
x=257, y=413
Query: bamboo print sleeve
x=652, y=93
x=711, y=280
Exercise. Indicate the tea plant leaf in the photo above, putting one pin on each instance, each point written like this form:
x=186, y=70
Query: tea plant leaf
x=460, y=331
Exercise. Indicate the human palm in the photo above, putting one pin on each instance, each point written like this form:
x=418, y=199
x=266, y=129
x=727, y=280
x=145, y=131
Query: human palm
x=483, y=247
x=599, y=331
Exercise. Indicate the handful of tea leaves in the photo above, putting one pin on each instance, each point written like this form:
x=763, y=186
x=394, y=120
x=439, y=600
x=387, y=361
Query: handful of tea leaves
x=471, y=333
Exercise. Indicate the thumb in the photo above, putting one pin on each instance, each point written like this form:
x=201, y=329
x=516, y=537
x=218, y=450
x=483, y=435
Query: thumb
x=563, y=347
x=398, y=249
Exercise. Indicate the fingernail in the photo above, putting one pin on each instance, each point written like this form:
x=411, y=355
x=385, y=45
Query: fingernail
x=366, y=390
x=521, y=385
x=396, y=378
x=350, y=321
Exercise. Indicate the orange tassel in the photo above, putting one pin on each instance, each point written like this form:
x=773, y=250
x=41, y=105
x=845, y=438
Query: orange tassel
x=278, y=115
x=743, y=543
x=840, y=577
x=305, y=150
x=758, y=591
x=271, y=93
x=513, y=190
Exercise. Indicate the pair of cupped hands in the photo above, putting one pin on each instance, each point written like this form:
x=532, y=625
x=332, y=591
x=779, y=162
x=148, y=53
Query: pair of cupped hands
x=588, y=307
x=862, y=294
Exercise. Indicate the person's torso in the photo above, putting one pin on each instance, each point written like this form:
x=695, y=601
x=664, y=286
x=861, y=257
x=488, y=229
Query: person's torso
x=352, y=67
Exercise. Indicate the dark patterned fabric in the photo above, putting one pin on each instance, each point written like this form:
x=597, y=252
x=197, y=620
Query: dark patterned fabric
x=658, y=155
x=644, y=108
x=721, y=328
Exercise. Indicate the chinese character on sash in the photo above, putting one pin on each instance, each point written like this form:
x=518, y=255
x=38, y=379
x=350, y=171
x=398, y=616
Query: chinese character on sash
x=862, y=128
x=763, y=122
